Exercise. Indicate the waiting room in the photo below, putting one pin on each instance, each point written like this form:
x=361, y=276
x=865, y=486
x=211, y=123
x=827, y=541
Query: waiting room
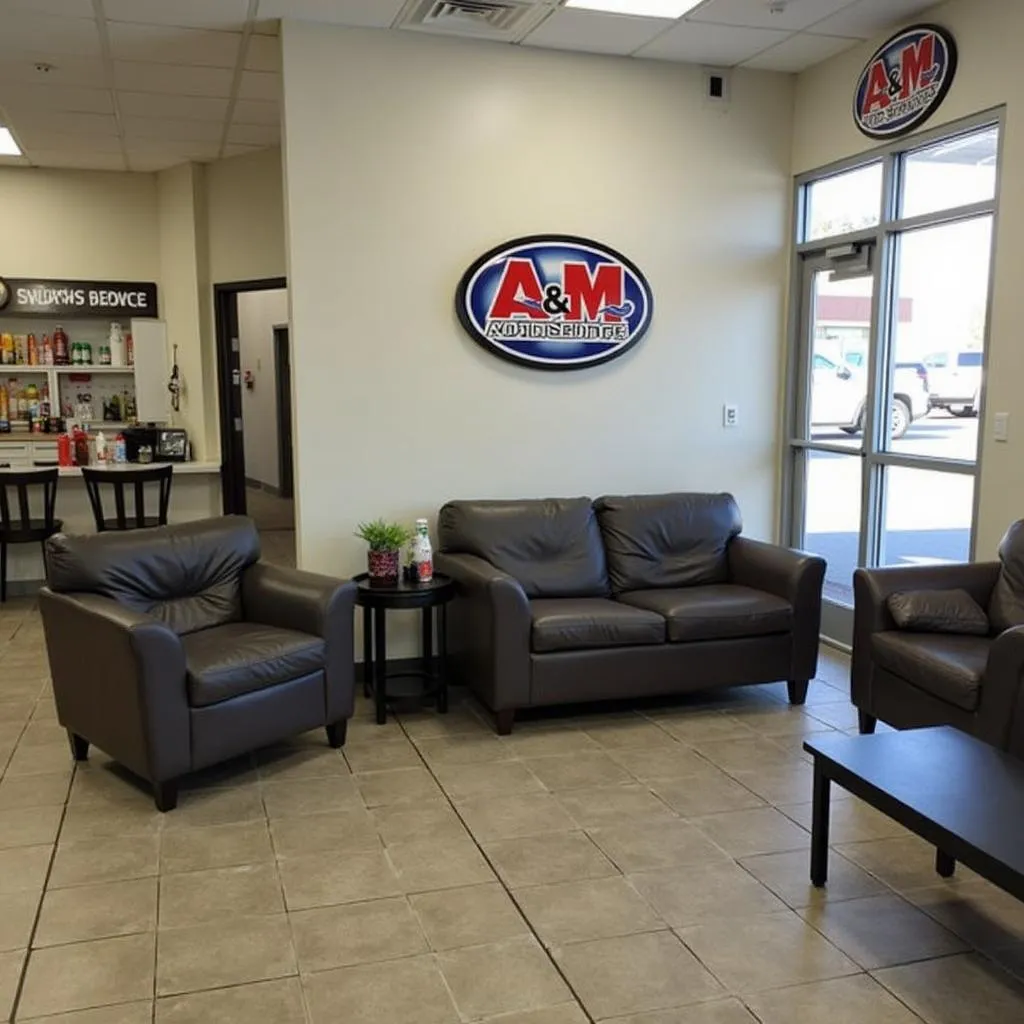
x=508, y=512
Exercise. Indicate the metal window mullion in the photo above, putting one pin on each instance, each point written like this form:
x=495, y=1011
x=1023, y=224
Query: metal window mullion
x=927, y=463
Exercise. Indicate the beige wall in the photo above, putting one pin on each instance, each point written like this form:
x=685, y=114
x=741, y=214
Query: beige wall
x=246, y=217
x=84, y=225
x=180, y=240
x=988, y=33
x=406, y=158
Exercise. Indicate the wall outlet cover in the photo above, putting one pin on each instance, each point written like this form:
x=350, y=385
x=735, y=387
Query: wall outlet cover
x=730, y=416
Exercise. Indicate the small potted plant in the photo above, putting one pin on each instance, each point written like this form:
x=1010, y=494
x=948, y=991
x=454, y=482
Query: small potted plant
x=385, y=541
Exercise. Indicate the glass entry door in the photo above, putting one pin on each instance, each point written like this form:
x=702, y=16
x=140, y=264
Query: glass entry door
x=888, y=375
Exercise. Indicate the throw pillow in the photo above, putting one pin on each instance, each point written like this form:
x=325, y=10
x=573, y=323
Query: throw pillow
x=938, y=611
x=1006, y=605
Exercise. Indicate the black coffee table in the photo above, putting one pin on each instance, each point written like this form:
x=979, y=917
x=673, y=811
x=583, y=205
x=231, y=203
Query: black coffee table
x=961, y=795
x=377, y=599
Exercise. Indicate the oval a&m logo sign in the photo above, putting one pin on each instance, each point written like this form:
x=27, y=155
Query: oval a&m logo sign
x=555, y=302
x=905, y=81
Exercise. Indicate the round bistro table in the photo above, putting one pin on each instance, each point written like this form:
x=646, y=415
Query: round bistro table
x=377, y=599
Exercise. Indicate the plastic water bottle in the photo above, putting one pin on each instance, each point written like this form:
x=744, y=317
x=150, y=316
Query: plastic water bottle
x=120, y=449
x=423, y=553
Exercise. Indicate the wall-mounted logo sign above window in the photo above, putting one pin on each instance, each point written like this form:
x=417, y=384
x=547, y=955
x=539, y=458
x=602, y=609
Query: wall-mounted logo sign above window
x=555, y=302
x=905, y=81
x=32, y=297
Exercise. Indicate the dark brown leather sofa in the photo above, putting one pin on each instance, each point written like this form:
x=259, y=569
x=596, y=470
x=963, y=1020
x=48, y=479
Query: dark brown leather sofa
x=914, y=679
x=567, y=600
x=175, y=648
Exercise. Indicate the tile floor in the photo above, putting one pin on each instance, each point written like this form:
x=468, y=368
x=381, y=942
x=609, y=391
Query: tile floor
x=643, y=867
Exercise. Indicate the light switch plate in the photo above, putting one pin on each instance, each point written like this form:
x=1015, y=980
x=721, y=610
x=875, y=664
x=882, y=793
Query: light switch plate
x=730, y=416
x=1001, y=426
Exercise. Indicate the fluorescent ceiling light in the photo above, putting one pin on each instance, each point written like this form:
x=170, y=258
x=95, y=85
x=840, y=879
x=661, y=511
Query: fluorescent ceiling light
x=638, y=8
x=8, y=147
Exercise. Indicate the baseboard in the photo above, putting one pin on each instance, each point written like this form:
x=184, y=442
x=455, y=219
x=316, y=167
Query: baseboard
x=24, y=588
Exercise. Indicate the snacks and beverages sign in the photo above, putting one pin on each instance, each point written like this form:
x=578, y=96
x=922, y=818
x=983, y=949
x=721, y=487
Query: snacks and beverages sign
x=555, y=302
x=905, y=81
x=69, y=299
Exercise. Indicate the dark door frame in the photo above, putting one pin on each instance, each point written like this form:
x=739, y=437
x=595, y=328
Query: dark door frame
x=283, y=387
x=229, y=386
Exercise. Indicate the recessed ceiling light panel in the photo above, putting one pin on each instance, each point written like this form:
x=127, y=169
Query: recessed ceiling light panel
x=8, y=147
x=638, y=8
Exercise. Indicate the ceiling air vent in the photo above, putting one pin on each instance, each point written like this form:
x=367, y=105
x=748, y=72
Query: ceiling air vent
x=507, y=20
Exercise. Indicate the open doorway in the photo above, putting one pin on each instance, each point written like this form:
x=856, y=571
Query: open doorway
x=256, y=410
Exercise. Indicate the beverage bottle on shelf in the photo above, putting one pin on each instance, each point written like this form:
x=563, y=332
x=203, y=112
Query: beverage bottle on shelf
x=423, y=553
x=120, y=449
x=87, y=353
x=61, y=355
x=5, y=418
x=129, y=350
x=64, y=450
x=20, y=347
x=101, y=448
x=33, y=351
x=47, y=346
x=115, y=345
x=6, y=349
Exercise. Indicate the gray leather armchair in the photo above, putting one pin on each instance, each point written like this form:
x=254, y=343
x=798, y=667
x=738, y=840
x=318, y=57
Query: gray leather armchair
x=910, y=679
x=569, y=600
x=175, y=648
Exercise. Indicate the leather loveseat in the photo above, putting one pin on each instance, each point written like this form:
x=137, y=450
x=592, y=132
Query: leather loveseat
x=175, y=648
x=567, y=600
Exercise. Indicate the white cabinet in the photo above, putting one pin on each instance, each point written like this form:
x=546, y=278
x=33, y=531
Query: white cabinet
x=152, y=399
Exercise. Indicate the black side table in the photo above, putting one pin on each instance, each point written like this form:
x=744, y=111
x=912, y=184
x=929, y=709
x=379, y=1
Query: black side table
x=376, y=599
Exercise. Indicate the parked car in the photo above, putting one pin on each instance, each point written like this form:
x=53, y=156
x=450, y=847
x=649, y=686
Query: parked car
x=859, y=360
x=839, y=392
x=955, y=381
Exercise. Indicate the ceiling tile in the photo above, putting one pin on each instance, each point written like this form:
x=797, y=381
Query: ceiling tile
x=263, y=54
x=74, y=71
x=22, y=97
x=260, y=85
x=176, y=79
x=257, y=112
x=170, y=130
x=33, y=138
x=164, y=45
x=61, y=122
x=234, y=149
x=149, y=155
x=364, y=13
x=595, y=33
x=254, y=134
x=80, y=159
x=868, y=18
x=61, y=8
x=47, y=38
x=714, y=45
x=796, y=16
x=222, y=14
x=154, y=104
x=799, y=52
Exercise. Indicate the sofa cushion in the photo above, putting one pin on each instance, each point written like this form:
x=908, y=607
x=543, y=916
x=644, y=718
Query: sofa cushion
x=938, y=611
x=187, y=575
x=715, y=611
x=551, y=546
x=228, y=661
x=948, y=667
x=667, y=540
x=572, y=624
x=1006, y=605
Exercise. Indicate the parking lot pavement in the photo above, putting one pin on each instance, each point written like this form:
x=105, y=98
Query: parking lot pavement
x=928, y=513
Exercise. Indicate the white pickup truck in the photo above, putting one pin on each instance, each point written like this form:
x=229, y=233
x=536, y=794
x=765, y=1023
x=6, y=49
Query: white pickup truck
x=839, y=392
x=954, y=380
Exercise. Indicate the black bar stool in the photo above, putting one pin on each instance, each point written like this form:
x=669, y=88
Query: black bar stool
x=23, y=528
x=120, y=480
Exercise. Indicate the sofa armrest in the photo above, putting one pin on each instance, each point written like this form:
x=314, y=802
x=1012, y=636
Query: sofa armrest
x=1001, y=711
x=489, y=631
x=309, y=603
x=872, y=589
x=119, y=681
x=795, y=576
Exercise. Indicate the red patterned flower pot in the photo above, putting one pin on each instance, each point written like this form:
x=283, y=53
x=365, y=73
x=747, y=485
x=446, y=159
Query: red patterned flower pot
x=383, y=565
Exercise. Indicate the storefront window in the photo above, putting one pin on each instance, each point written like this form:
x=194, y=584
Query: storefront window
x=955, y=172
x=844, y=202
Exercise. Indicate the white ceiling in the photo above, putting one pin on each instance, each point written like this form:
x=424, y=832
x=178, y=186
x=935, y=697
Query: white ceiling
x=145, y=84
